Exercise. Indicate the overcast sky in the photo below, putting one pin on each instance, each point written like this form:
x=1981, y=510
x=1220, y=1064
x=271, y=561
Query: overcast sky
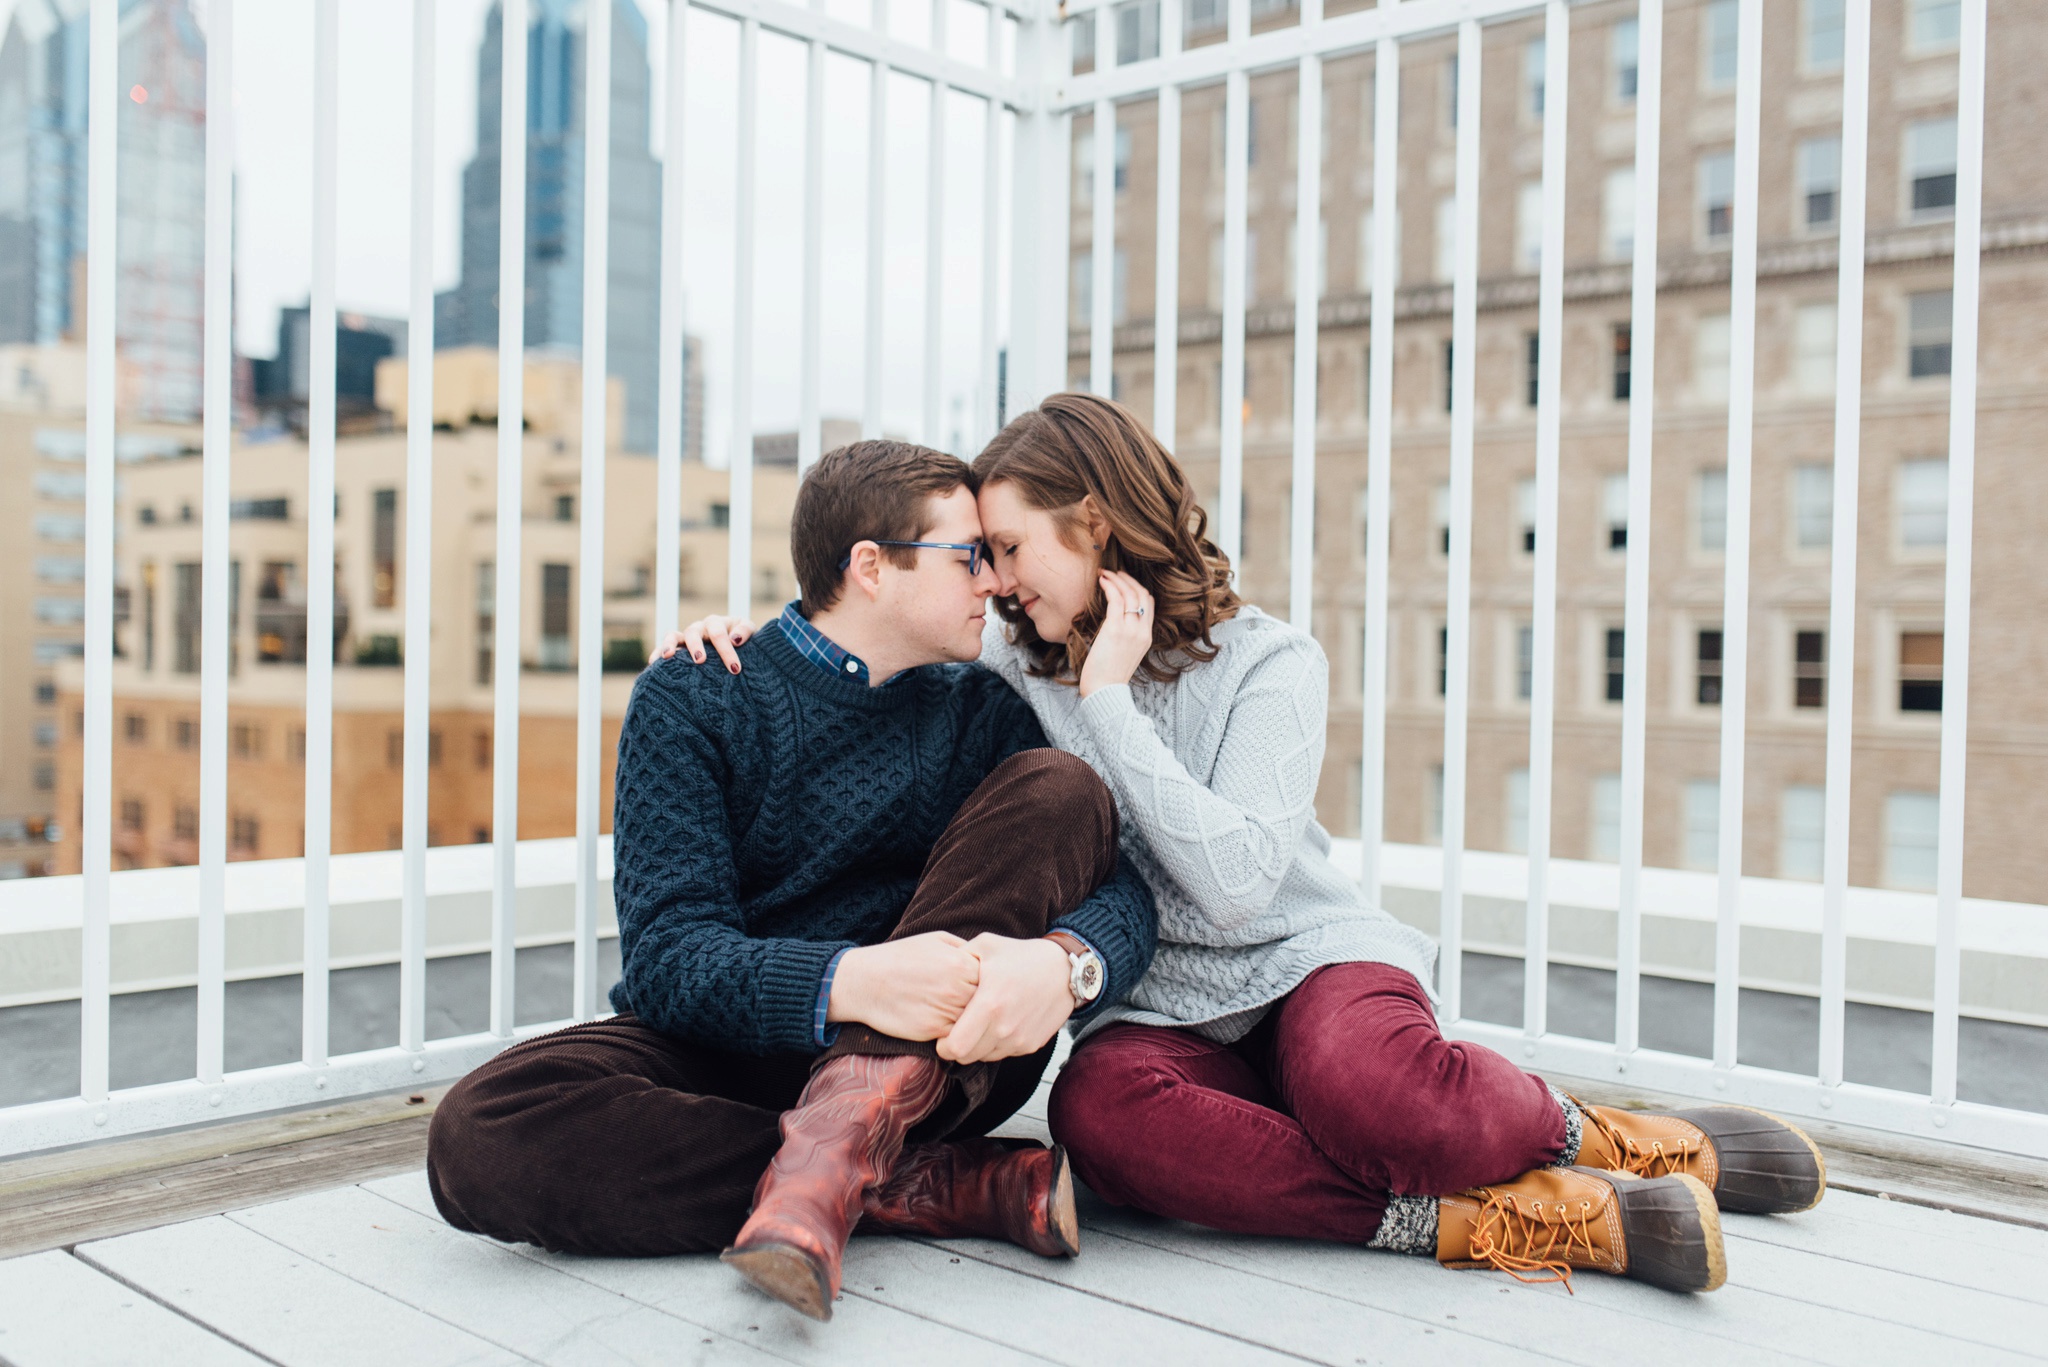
x=273, y=102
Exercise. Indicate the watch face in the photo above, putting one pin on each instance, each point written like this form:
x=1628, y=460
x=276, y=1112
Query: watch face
x=1088, y=977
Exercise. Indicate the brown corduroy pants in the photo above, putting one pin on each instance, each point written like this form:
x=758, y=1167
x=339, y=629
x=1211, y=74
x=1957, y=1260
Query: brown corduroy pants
x=611, y=1138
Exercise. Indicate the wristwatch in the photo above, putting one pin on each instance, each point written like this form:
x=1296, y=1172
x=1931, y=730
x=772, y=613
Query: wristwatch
x=1085, y=973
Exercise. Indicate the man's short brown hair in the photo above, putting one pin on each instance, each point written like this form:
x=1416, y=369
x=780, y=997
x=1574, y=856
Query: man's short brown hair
x=869, y=491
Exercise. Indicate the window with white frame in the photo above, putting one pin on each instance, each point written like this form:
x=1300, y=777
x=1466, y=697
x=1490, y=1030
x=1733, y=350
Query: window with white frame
x=1702, y=823
x=1934, y=25
x=1525, y=662
x=1912, y=840
x=1614, y=663
x=1802, y=827
x=1517, y=803
x=1525, y=515
x=1622, y=49
x=1931, y=167
x=1821, y=36
x=1717, y=196
x=1809, y=669
x=1532, y=76
x=1084, y=164
x=1446, y=238
x=1137, y=35
x=1440, y=519
x=1717, y=43
x=1706, y=667
x=1532, y=368
x=1820, y=182
x=1813, y=506
x=1920, y=657
x=1922, y=498
x=1605, y=845
x=1618, y=214
x=1930, y=332
x=1529, y=227
x=1443, y=661
x=1614, y=511
x=1710, y=509
x=1624, y=354
x=1813, y=348
x=1710, y=357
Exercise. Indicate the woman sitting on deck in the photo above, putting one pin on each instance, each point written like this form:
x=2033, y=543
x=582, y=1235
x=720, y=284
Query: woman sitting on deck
x=1279, y=1069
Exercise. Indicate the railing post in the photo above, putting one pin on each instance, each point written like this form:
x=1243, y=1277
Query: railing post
x=668, y=443
x=1379, y=493
x=739, y=558
x=1166, y=273
x=1308, y=237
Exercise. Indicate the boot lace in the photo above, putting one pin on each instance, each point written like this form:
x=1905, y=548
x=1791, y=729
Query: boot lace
x=1536, y=1243
x=1658, y=1157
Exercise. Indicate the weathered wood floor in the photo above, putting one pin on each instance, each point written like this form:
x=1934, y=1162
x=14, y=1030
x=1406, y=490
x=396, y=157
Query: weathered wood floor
x=368, y=1274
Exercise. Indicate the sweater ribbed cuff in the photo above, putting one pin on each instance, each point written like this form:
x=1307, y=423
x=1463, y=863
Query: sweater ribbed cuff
x=792, y=974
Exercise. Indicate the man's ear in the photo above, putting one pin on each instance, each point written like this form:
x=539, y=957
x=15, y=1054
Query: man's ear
x=863, y=572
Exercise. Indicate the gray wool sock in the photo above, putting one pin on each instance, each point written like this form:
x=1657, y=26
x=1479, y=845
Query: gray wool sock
x=1574, y=1128
x=1409, y=1226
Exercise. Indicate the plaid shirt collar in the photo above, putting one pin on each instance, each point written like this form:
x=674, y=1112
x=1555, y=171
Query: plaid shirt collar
x=821, y=650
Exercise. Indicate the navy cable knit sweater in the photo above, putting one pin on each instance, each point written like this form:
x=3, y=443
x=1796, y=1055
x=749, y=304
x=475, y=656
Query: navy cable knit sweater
x=765, y=821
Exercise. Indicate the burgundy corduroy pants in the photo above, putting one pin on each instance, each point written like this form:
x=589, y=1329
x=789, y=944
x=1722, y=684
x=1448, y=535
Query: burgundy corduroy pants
x=613, y=1138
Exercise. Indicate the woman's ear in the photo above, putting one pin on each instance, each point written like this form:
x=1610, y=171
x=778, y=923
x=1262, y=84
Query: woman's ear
x=1097, y=525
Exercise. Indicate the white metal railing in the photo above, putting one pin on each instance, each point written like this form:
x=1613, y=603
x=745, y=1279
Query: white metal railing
x=1034, y=101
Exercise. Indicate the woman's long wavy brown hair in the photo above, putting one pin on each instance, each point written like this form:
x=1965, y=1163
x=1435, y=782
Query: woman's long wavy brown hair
x=1074, y=446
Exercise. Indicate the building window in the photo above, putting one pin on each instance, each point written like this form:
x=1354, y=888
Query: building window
x=1622, y=55
x=1936, y=24
x=1823, y=35
x=1923, y=502
x=721, y=516
x=45, y=777
x=1931, y=167
x=383, y=547
x=1517, y=795
x=565, y=507
x=1809, y=669
x=1529, y=227
x=1802, y=827
x=1717, y=40
x=486, y=617
x=1433, y=806
x=185, y=823
x=1920, y=671
x=1440, y=514
x=1820, y=182
x=280, y=614
x=1532, y=349
x=1614, y=510
x=1623, y=360
x=1710, y=357
x=1813, y=340
x=131, y=814
x=1717, y=195
x=483, y=750
x=1137, y=40
x=1702, y=823
x=1451, y=92
x=185, y=733
x=1606, y=842
x=1532, y=75
x=295, y=745
x=1443, y=661
x=1525, y=662
x=148, y=613
x=394, y=749
x=246, y=740
x=1525, y=514
x=1929, y=330
x=185, y=618
x=1618, y=214
x=1615, y=662
x=1707, y=668
x=1813, y=506
x=555, y=649
x=242, y=834
x=135, y=728
x=1710, y=501
x=1450, y=363
x=1912, y=840
x=434, y=747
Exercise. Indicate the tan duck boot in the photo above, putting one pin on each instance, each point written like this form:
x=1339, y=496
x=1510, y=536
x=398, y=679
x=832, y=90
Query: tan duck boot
x=980, y=1188
x=1754, y=1163
x=1548, y=1223
x=843, y=1136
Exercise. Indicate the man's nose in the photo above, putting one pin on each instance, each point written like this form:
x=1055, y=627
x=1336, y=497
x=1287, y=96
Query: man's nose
x=988, y=583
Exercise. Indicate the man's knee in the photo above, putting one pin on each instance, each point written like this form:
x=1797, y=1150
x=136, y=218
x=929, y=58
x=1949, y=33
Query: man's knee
x=1062, y=785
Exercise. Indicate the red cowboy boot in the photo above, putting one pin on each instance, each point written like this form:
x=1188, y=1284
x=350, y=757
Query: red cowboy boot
x=843, y=1136
x=980, y=1188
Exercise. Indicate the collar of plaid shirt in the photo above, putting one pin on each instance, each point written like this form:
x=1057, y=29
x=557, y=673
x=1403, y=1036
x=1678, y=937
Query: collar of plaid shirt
x=822, y=651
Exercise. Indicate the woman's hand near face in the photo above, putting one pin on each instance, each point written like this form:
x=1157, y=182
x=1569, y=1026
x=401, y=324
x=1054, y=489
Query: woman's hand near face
x=1126, y=635
x=724, y=633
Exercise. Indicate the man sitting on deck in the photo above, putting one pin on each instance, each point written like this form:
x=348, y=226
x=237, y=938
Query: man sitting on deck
x=857, y=897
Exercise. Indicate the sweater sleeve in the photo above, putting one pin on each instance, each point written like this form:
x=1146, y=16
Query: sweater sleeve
x=689, y=968
x=1227, y=844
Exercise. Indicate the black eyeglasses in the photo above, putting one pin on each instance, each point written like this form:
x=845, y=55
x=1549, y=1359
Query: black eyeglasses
x=975, y=551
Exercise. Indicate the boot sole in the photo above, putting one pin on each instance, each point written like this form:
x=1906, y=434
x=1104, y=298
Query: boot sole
x=787, y=1273
x=1667, y=1262
x=1749, y=1192
x=1820, y=1164
x=1066, y=1219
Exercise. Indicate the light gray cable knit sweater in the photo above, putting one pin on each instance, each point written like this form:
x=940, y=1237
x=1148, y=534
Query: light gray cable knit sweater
x=1215, y=778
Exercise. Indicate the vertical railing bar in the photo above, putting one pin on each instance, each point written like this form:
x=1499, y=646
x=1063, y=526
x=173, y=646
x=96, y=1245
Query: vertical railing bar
x=1379, y=490
x=1308, y=213
x=1962, y=472
x=1735, y=590
x=1028, y=218
x=878, y=152
x=809, y=432
x=320, y=576
x=1458, y=617
x=1102, y=249
x=1236, y=192
x=96, y=781
x=668, y=442
x=1841, y=639
x=216, y=617
x=509, y=575
x=419, y=542
x=1543, y=629
x=597, y=177
x=1166, y=245
x=984, y=425
x=935, y=250
x=1642, y=399
x=740, y=497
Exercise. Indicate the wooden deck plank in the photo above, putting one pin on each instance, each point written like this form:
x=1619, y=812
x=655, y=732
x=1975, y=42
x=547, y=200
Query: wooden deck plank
x=484, y=1287
x=57, y=1312
x=283, y=1305
x=703, y=1291
x=1938, y=1245
x=1734, y=1321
